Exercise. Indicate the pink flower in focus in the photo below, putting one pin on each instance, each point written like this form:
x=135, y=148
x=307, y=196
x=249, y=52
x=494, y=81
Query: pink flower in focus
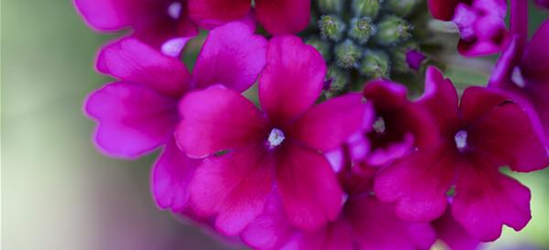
x=272, y=151
x=276, y=16
x=523, y=71
x=484, y=132
x=163, y=24
x=481, y=23
x=139, y=113
x=364, y=223
x=453, y=234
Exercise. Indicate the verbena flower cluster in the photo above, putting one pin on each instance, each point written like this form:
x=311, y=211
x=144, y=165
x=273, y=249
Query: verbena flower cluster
x=336, y=150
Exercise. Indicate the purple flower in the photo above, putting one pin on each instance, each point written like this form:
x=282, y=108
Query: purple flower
x=364, y=223
x=481, y=23
x=138, y=113
x=163, y=24
x=453, y=234
x=485, y=131
x=274, y=151
x=277, y=16
x=523, y=72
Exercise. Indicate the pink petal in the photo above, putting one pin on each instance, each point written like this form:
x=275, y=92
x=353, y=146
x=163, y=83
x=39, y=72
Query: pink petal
x=515, y=144
x=133, y=61
x=171, y=176
x=271, y=230
x=418, y=183
x=535, y=61
x=292, y=80
x=133, y=119
x=453, y=234
x=218, y=119
x=109, y=15
x=443, y=9
x=325, y=127
x=232, y=55
x=308, y=187
x=334, y=236
x=283, y=16
x=372, y=221
x=234, y=187
x=486, y=200
x=441, y=99
x=211, y=13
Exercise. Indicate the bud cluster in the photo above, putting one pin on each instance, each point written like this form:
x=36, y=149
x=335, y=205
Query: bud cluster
x=367, y=39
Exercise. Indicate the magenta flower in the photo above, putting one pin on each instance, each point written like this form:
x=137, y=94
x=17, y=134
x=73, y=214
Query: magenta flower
x=400, y=126
x=364, y=223
x=481, y=23
x=523, y=72
x=163, y=24
x=485, y=132
x=276, y=16
x=139, y=113
x=275, y=151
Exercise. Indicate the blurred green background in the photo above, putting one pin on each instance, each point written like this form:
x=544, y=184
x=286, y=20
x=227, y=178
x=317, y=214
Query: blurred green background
x=59, y=193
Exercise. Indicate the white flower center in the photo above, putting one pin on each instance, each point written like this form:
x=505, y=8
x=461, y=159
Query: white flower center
x=461, y=140
x=517, y=77
x=174, y=10
x=379, y=125
x=276, y=137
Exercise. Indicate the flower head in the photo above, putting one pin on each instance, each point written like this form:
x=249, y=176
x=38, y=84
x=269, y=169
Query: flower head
x=274, y=151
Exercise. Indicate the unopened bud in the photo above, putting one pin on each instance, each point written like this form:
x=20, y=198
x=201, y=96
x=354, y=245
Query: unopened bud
x=366, y=8
x=401, y=7
x=392, y=30
x=375, y=64
x=322, y=46
x=361, y=30
x=347, y=54
x=330, y=6
x=331, y=27
x=336, y=80
x=406, y=58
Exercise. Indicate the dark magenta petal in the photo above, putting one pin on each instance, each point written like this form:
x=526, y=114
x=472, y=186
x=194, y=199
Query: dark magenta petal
x=443, y=9
x=308, y=187
x=334, y=236
x=232, y=55
x=514, y=144
x=133, y=119
x=453, y=234
x=218, y=119
x=283, y=16
x=535, y=61
x=325, y=127
x=211, y=13
x=133, y=61
x=441, y=99
x=543, y=3
x=171, y=176
x=292, y=80
x=372, y=220
x=418, y=183
x=234, y=186
x=486, y=200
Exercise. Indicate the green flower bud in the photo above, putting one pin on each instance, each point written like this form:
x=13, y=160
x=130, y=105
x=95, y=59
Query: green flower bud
x=331, y=27
x=347, y=54
x=392, y=30
x=361, y=30
x=375, y=64
x=401, y=7
x=322, y=46
x=337, y=80
x=366, y=8
x=330, y=6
